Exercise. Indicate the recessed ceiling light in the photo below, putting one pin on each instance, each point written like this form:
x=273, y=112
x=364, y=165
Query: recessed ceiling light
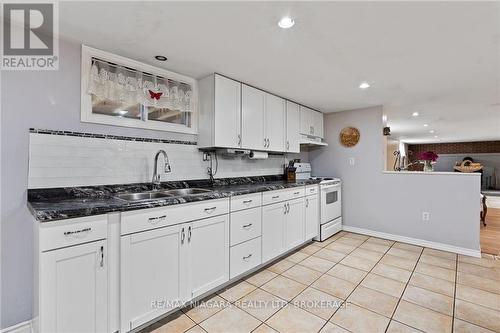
x=161, y=58
x=425, y=125
x=415, y=114
x=435, y=136
x=431, y=131
x=286, y=22
x=364, y=85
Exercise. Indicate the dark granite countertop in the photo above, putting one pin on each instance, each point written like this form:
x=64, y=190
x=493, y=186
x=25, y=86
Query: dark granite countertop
x=51, y=204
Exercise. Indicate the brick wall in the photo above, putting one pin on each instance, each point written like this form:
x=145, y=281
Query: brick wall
x=480, y=147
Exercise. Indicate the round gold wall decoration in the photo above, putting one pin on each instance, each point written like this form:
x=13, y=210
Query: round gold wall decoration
x=349, y=136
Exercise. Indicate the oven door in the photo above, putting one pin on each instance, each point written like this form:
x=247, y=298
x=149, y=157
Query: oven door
x=330, y=202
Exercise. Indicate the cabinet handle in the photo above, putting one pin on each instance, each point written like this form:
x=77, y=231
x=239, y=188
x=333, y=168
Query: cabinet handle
x=296, y=192
x=101, y=251
x=268, y=142
x=247, y=225
x=239, y=139
x=312, y=129
x=265, y=142
x=275, y=197
x=183, y=236
x=155, y=220
x=247, y=257
x=247, y=201
x=311, y=190
x=78, y=233
x=307, y=202
x=287, y=145
x=287, y=208
x=189, y=233
x=284, y=212
x=210, y=210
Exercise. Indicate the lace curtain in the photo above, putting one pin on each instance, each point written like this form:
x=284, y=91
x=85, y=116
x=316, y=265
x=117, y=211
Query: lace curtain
x=118, y=83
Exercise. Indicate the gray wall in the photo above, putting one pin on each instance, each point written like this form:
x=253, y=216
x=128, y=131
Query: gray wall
x=393, y=203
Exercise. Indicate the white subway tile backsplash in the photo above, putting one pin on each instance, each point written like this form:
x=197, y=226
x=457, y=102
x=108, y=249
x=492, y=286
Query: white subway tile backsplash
x=58, y=161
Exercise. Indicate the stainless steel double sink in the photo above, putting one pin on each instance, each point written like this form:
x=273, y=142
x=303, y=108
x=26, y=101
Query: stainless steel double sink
x=161, y=194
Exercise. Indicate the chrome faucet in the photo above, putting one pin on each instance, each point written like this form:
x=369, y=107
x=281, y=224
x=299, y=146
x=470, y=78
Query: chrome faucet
x=156, y=176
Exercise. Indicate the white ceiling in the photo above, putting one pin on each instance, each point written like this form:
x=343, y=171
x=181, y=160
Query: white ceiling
x=441, y=59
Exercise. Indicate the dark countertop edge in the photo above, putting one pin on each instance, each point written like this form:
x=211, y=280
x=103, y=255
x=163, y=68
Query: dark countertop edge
x=52, y=215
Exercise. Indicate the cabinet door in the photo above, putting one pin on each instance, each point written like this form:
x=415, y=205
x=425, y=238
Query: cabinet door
x=252, y=118
x=74, y=289
x=274, y=123
x=208, y=254
x=294, y=223
x=292, y=143
x=312, y=216
x=273, y=230
x=317, y=124
x=227, y=122
x=305, y=121
x=150, y=275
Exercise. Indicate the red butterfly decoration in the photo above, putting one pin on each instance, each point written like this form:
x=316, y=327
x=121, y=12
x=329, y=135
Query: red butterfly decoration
x=155, y=95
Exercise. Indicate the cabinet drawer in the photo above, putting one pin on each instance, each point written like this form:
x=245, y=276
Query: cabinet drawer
x=245, y=225
x=244, y=257
x=312, y=189
x=70, y=232
x=146, y=219
x=282, y=195
x=240, y=202
x=298, y=192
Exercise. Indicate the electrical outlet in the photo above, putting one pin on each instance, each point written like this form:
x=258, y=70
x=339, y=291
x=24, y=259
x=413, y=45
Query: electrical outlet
x=352, y=161
x=206, y=156
x=426, y=216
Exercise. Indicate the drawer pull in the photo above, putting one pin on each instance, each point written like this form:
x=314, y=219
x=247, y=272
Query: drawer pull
x=276, y=197
x=312, y=190
x=210, y=210
x=247, y=201
x=78, y=233
x=154, y=220
x=247, y=225
x=296, y=192
x=247, y=257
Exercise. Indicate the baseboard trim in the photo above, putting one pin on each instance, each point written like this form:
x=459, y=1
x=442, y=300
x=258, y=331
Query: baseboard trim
x=24, y=327
x=415, y=241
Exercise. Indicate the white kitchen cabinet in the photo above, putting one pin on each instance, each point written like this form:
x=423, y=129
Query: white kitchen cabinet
x=294, y=223
x=207, y=263
x=74, y=289
x=220, y=112
x=274, y=123
x=317, y=124
x=292, y=142
x=311, y=122
x=273, y=230
x=311, y=216
x=253, y=105
x=151, y=274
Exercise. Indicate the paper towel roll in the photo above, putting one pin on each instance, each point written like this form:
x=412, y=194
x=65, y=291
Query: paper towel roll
x=257, y=155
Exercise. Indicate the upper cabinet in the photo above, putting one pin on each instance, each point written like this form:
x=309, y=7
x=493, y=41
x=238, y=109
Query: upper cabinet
x=292, y=143
x=263, y=120
x=274, y=123
x=253, y=106
x=311, y=122
x=236, y=115
x=220, y=112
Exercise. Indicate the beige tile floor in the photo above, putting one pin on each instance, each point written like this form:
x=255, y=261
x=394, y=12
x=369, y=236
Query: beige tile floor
x=354, y=283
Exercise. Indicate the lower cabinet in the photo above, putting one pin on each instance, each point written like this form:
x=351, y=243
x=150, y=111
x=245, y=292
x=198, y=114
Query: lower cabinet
x=273, y=230
x=208, y=254
x=162, y=268
x=74, y=288
x=312, y=216
x=294, y=223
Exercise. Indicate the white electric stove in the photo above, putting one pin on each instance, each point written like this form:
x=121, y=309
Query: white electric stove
x=330, y=198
